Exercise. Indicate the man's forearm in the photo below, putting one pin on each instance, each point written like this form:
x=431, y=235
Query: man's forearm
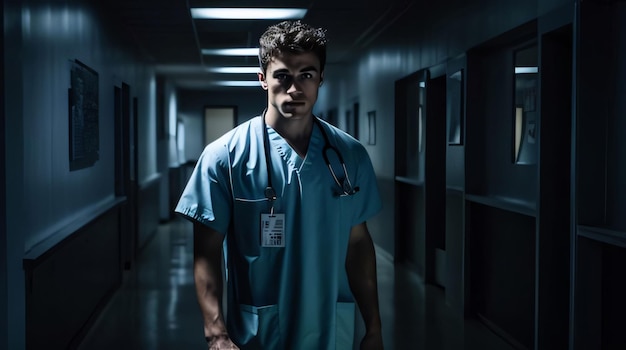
x=361, y=270
x=207, y=271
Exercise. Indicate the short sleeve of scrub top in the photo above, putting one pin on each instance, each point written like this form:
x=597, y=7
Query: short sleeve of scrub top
x=369, y=202
x=207, y=198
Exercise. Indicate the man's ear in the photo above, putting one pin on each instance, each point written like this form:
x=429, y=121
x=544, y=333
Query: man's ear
x=322, y=78
x=262, y=80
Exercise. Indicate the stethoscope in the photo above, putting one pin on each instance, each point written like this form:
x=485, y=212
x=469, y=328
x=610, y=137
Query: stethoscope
x=345, y=186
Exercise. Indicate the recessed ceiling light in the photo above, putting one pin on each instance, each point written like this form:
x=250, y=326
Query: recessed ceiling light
x=236, y=70
x=247, y=13
x=232, y=52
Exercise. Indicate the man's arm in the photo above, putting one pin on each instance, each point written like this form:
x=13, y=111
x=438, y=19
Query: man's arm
x=207, y=273
x=361, y=270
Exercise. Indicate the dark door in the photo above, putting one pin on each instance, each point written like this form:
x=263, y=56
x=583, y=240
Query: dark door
x=125, y=171
x=420, y=171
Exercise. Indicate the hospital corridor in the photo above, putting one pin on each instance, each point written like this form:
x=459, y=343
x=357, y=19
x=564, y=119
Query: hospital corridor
x=483, y=143
x=156, y=307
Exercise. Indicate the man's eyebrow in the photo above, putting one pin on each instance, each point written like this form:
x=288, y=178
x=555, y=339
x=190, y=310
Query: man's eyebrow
x=305, y=69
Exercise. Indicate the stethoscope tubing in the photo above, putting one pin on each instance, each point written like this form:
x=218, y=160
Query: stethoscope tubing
x=270, y=193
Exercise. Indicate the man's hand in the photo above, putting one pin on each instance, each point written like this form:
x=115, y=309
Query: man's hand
x=222, y=343
x=372, y=341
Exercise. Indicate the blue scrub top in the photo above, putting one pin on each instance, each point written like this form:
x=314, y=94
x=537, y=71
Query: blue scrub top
x=296, y=297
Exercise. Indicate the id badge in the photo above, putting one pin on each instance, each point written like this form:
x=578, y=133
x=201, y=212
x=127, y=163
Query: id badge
x=273, y=230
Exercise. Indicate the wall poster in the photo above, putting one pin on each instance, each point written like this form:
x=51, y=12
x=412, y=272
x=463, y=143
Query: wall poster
x=84, y=134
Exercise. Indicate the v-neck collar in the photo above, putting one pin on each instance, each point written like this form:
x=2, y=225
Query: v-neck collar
x=292, y=157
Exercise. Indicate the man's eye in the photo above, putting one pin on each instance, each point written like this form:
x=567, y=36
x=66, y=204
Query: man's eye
x=282, y=77
x=306, y=76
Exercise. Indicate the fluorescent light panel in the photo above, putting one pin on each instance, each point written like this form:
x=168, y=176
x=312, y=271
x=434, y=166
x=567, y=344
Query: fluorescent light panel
x=526, y=70
x=235, y=70
x=247, y=13
x=237, y=83
x=232, y=52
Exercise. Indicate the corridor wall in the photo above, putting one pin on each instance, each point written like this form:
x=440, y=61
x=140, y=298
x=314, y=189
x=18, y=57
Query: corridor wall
x=500, y=232
x=50, y=203
x=417, y=36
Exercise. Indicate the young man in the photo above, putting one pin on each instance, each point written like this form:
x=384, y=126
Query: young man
x=283, y=199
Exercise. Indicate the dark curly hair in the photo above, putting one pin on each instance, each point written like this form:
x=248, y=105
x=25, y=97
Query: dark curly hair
x=292, y=37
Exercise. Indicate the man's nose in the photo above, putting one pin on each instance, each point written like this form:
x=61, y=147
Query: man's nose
x=293, y=86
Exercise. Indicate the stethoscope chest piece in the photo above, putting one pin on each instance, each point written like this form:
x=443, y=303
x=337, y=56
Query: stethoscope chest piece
x=270, y=193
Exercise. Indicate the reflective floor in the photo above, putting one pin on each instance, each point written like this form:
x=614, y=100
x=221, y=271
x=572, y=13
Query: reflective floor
x=156, y=307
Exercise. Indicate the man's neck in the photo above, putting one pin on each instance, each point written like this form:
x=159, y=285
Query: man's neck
x=297, y=131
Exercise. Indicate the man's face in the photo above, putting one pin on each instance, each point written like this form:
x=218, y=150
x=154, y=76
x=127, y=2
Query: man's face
x=292, y=82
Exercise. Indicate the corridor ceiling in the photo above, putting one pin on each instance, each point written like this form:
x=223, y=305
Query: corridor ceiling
x=167, y=36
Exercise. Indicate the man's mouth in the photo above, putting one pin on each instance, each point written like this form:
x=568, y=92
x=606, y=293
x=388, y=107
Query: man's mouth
x=293, y=104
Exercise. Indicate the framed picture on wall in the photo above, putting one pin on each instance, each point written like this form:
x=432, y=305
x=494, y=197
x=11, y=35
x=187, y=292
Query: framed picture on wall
x=371, y=122
x=83, y=106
